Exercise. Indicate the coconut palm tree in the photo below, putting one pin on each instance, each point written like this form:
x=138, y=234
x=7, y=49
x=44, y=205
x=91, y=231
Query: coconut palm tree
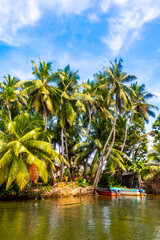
x=41, y=94
x=154, y=156
x=94, y=147
x=140, y=105
x=23, y=156
x=70, y=100
x=66, y=81
x=118, y=89
x=11, y=93
x=90, y=105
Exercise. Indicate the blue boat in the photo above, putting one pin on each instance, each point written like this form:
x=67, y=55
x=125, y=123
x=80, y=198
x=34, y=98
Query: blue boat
x=129, y=192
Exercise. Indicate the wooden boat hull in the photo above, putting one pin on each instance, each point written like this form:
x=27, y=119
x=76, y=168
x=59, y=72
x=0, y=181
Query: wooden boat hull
x=106, y=192
x=112, y=191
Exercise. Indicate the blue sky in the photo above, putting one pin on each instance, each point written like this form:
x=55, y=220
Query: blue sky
x=83, y=33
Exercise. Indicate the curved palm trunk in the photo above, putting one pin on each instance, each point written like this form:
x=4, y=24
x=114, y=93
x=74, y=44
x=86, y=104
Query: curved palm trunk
x=125, y=136
x=119, y=172
x=113, y=127
x=103, y=162
x=102, y=159
x=53, y=177
x=66, y=146
x=62, y=152
x=89, y=128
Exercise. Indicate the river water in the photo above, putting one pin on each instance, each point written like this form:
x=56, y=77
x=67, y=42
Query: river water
x=86, y=218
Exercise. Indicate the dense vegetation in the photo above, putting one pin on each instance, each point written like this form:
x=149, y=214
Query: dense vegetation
x=56, y=122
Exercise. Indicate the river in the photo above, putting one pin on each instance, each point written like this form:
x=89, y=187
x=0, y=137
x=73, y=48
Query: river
x=86, y=218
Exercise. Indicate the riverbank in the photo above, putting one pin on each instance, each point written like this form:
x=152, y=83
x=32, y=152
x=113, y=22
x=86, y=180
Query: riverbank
x=152, y=186
x=59, y=190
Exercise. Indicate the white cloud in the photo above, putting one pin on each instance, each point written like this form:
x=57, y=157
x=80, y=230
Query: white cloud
x=16, y=14
x=125, y=22
x=67, y=6
x=105, y=5
x=129, y=17
x=93, y=18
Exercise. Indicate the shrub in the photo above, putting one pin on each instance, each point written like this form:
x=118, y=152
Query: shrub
x=108, y=181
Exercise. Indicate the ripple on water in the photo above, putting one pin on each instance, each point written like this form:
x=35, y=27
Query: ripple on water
x=98, y=217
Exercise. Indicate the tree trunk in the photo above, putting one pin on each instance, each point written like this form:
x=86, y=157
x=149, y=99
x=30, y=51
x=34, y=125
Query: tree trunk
x=119, y=172
x=45, y=116
x=66, y=145
x=125, y=136
x=89, y=128
x=53, y=177
x=133, y=152
x=46, y=119
x=62, y=152
x=103, y=161
x=9, y=112
x=113, y=127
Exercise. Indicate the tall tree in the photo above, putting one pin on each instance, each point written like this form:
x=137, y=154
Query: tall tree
x=140, y=105
x=66, y=82
x=11, y=94
x=156, y=129
x=88, y=89
x=118, y=89
x=41, y=94
x=71, y=100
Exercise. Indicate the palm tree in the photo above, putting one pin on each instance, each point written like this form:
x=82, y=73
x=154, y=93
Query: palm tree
x=11, y=94
x=88, y=89
x=140, y=106
x=66, y=82
x=23, y=156
x=117, y=80
x=94, y=147
x=156, y=129
x=41, y=94
x=71, y=100
x=154, y=156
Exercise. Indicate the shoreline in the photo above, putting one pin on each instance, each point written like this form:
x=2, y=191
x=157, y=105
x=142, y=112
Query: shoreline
x=60, y=190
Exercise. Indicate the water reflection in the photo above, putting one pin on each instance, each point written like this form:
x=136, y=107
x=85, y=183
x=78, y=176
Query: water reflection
x=81, y=218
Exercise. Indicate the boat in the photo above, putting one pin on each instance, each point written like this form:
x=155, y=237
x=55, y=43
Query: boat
x=113, y=191
x=107, y=191
x=129, y=192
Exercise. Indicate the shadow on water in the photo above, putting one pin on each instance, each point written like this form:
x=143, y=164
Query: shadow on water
x=98, y=217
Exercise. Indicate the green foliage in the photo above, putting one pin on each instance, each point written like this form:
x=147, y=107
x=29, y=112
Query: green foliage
x=23, y=155
x=156, y=129
x=78, y=123
x=107, y=180
x=46, y=189
x=13, y=190
x=81, y=182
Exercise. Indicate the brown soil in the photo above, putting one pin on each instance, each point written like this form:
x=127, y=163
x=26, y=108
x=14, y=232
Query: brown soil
x=64, y=189
x=67, y=190
x=59, y=190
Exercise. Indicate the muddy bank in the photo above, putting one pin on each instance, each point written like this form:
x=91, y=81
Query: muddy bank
x=68, y=191
x=59, y=190
x=153, y=185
